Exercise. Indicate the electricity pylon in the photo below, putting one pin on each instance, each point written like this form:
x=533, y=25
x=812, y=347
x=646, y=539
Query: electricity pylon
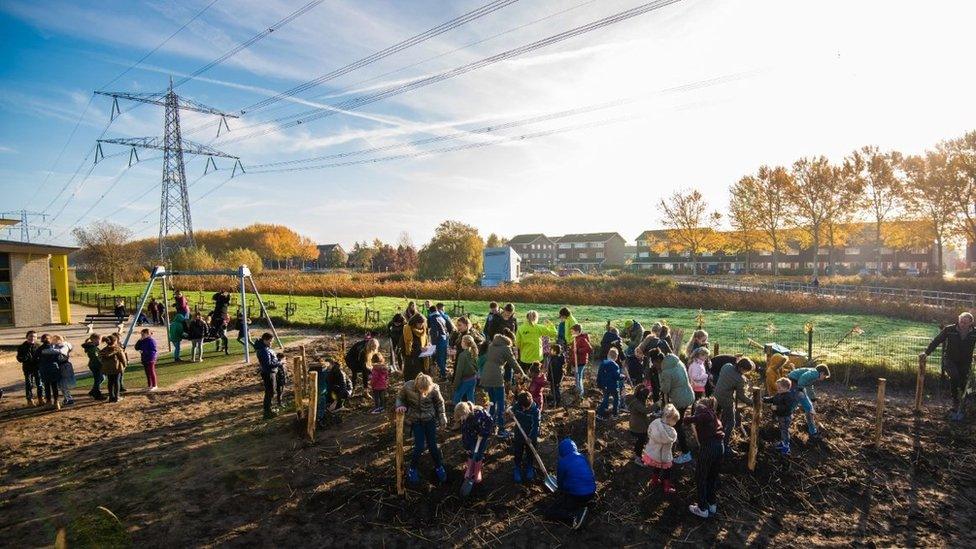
x=174, y=207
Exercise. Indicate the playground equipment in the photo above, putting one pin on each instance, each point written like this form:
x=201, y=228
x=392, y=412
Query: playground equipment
x=242, y=273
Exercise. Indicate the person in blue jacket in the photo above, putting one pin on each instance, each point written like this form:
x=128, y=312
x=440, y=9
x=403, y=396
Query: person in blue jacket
x=576, y=486
x=608, y=379
x=803, y=380
x=270, y=365
x=527, y=414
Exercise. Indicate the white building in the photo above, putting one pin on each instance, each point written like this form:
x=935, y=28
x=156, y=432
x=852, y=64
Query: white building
x=501, y=265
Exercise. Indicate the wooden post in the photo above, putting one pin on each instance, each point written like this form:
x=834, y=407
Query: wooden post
x=810, y=343
x=296, y=368
x=754, y=431
x=301, y=350
x=881, y=404
x=61, y=538
x=590, y=435
x=715, y=351
x=920, y=384
x=398, y=452
x=313, y=401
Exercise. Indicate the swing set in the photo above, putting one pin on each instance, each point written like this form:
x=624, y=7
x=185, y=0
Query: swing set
x=243, y=274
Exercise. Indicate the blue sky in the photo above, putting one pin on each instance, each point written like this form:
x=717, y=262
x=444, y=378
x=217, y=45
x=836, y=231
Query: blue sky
x=793, y=79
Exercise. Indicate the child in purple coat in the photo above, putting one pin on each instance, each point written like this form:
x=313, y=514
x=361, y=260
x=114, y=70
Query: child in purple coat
x=147, y=356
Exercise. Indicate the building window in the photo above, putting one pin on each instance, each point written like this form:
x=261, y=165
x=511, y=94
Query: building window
x=6, y=291
x=823, y=251
x=596, y=244
x=644, y=254
x=765, y=252
x=886, y=251
x=565, y=246
x=852, y=251
x=582, y=255
x=598, y=255
x=579, y=245
x=562, y=256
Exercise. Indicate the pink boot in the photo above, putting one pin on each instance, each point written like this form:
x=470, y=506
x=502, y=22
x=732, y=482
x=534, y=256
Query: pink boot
x=477, y=471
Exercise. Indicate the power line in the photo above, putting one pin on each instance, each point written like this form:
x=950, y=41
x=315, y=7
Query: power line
x=477, y=13
x=318, y=113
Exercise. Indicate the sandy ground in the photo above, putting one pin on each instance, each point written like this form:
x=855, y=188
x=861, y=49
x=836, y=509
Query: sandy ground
x=194, y=465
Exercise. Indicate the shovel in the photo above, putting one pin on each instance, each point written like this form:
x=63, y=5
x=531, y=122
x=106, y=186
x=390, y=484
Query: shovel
x=549, y=480
x=468, y=483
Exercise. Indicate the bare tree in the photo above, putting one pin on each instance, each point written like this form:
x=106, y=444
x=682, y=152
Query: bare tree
x=884, y=189
x=103, y=248
x=690, y=225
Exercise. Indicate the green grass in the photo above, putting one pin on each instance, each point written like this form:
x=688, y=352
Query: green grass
x=885, y=341
x=169, y=372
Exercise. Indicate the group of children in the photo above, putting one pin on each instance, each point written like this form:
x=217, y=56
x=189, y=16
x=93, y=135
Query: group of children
x=48, y=371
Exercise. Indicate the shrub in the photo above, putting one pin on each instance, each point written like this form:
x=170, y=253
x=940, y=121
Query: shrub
x=193, y=259
x=233, y=259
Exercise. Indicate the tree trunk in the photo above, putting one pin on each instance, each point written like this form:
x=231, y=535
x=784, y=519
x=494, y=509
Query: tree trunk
x=112, y=272
x=877, y=229
x=816, y=254
x=941, y=266
x=775, y=257
x=694, y=264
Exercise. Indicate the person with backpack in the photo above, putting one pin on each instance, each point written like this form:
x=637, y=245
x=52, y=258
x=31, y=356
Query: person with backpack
x=440, y=328
x=27, y=356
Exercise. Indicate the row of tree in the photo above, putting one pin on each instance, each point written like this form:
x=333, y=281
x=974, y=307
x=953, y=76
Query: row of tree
x=910, y=202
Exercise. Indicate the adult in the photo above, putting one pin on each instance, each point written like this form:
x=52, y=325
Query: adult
x=611, y=335
x=498, y=360
x=439, y=330
x=957, y=358
x=153, y=311
x=652, y=341
x=566, y=322
x=528, y=339
x=27, y=356
x=196, y=331
x=219, y=320
x=635, y=334
x=394, y=329
x=676, y=389
x=181, y=304
x=715, y=365
x=270, y=364
x=359, y=357
x=505, y=320
x=414, y=342
x=729, y=390
x=221, y=300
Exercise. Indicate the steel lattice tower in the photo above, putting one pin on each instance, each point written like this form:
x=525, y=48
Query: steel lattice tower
x=174, y=206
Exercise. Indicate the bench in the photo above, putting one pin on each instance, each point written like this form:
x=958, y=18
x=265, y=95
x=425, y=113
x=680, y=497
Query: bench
x=105, y=318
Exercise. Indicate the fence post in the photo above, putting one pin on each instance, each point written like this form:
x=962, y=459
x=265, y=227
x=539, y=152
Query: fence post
x=398, y=452
x=879, y=422
x=590, y=436
x=715, y=351
x=296, y=369
x=313, y=400
x=920, y=384
x=810, y=343
x=754, y=431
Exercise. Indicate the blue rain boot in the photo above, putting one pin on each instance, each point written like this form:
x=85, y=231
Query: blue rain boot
x=518, y=474
x=441, y=474
x=413, y=477
x=529, y=473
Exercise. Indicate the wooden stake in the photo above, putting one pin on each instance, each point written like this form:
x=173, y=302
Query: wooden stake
x=398, y=452
x=296, y=369
x=881, y=405
x=591, y=435
x=754, y=431
x=313, y=402
x=301, y=350
x=715, y=352
x=61, y=539
x=920, y=384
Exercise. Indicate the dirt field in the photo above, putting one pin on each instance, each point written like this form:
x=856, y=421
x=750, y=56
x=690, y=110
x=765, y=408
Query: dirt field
x=194, y=465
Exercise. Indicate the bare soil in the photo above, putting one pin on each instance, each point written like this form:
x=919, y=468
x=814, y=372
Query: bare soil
x=195, y=465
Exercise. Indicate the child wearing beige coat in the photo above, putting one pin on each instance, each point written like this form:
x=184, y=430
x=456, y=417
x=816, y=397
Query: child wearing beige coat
x=658, y=453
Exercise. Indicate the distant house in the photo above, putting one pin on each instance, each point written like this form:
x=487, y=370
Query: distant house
x=327, y=253
x=536, y=250
x=591, y=251
x=501, y=265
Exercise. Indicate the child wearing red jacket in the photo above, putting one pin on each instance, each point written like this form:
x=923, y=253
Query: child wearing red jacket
x=537, y=382
x=580, y=354
x=379, y=382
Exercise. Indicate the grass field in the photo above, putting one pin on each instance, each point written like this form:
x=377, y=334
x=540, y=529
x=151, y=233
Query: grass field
x=875, y=340
x=169, y=372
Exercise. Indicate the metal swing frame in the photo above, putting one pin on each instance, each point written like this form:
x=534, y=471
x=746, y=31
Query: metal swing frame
x=243, y=274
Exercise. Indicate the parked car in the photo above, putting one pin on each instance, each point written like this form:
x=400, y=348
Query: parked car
x=912, y=271
x=868, y=272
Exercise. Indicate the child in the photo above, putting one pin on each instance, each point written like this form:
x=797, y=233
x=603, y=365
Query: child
x=537, y=381
x=65, y=367
x=608, y=379
x=658, y=453
x=803, y=380
x=466, y=370
x=710, y=451
x=120, y=312
x=580, y=354
x=219, y=320
x=783, y=403
x=50, y=371
x=528, y=415
x=639, y=421
x=475, y=422
x=379, y=381
x=197, y=332
x=557, y=367
x=113, y=361
x=176, y=331
x=698, y=339
x=95, y=365
x=269, y=365
x=610, y=336
x=698, y=371
x=421, y=399
x=576, y=485
x=147, y=356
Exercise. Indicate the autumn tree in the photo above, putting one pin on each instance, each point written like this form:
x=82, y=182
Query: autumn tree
x=745, y=233
x=455, y=253
x=103, y=249
x=193, y=258
x=765, y=195
x=690, y=225
x=931, y=197
x=232, y=259
x=819, y=196
x=406, y=258
x=495, y=241
x=961, y=155
x=385, y=259
x=361, y=256
x=884, y=190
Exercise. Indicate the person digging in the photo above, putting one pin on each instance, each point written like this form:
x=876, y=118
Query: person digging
x=957, y=359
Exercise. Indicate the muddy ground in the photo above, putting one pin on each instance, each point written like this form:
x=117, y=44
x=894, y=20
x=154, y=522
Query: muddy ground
x=195, y=465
